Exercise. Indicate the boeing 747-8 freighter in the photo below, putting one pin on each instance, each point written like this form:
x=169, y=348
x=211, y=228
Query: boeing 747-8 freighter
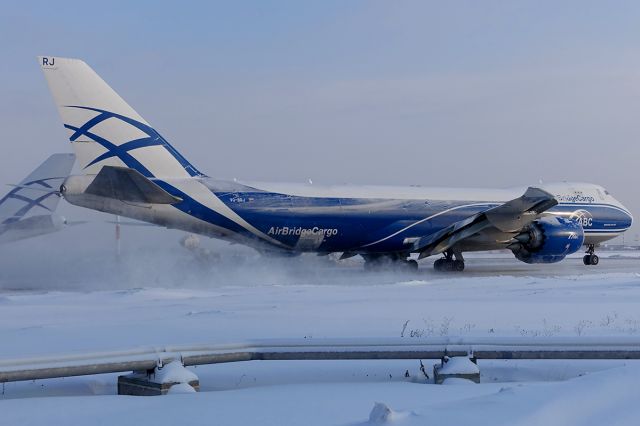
x=129, y=169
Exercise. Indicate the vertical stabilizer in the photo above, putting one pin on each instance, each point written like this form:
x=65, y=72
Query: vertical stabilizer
x=103, y=129
x=37, y=194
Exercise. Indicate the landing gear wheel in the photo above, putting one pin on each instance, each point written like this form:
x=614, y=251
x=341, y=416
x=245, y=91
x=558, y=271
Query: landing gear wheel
x=412, y=264
x=439, y=265
x=443, y=265
x=448, y=265
x=458, y=265
x=591, y=259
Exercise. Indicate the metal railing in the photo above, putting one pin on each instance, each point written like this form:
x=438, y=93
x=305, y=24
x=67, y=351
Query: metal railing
x=147, y=358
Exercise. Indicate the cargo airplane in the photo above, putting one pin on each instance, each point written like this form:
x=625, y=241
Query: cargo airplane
x=129, y=169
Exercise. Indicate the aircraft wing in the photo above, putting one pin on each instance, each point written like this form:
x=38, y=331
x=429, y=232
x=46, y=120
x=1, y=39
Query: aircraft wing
x=38, y=193
x=511, y=216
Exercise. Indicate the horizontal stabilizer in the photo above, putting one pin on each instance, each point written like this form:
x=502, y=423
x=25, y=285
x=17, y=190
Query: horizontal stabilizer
x=125, y=184
x=33, y=188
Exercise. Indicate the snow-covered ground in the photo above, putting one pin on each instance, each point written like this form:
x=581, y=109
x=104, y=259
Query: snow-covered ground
x=175, y=301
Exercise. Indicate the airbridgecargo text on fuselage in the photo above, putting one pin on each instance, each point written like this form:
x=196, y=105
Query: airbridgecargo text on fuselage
x=300, y=231
x=575, y=198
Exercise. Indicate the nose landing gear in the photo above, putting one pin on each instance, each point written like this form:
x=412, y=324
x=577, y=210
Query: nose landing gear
x=591, y=258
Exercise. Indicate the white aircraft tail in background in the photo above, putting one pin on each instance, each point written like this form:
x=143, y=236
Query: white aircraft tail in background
x=28, y=209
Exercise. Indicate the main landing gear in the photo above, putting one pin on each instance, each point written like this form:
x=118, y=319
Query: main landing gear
x=591, y=258
x=448, y=263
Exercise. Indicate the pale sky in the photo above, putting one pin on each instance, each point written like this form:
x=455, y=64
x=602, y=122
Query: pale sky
x=460, y=93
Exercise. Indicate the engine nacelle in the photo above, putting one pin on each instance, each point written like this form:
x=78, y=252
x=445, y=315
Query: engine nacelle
x=548, y=240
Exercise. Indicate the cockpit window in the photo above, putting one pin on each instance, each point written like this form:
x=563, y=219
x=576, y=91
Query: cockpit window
x=606, y=192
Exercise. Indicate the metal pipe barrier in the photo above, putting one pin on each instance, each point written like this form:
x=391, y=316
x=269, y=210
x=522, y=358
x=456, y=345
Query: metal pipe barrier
x=147, y=358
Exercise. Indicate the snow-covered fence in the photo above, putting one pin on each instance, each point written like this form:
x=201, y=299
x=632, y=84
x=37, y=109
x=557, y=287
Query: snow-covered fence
x=147, y=358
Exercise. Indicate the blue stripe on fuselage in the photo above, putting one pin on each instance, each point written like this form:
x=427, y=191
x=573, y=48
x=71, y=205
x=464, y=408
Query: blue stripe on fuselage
x=599, y=217
x=356, y=221
x=193, y=208
x=361, y=221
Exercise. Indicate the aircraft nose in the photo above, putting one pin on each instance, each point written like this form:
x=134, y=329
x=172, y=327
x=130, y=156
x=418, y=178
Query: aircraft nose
x=628, y=216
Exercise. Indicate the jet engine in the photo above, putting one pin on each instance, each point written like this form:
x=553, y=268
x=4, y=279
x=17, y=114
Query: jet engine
x=547, y=240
